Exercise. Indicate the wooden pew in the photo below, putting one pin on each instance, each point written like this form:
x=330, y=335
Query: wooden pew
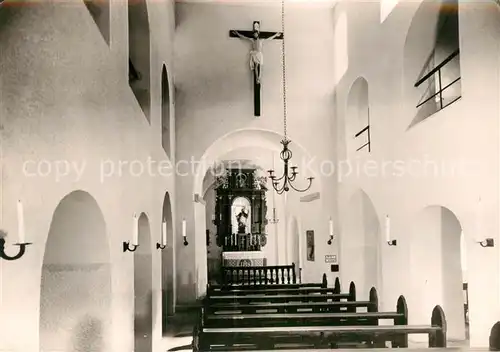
x=262, y=315
x=258, y=275
x=318, y=331
x=351, y=305
x=319, y=295
x=212, y=289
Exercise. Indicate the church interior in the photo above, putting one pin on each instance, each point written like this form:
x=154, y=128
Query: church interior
x=223, y=175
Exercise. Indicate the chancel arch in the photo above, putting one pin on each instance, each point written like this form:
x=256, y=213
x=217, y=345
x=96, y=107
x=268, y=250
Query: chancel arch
x=167, y=263
x=432, y=74
x=436, y=268
x=358, y=118
x=240, y=139
x=139, y=54
x=75, y=297
x=361, y=240
x=143, y=288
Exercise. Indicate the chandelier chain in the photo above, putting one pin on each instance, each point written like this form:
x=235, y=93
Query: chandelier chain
x=283, y=65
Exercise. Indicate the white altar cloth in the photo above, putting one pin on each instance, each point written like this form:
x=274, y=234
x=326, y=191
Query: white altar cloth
x=254, y=258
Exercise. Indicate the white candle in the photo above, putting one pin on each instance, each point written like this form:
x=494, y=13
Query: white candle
x=164, y=233
x=184, y=228
x=20, y=223
x=135, y=232
x=387, y=228
x=331, y=226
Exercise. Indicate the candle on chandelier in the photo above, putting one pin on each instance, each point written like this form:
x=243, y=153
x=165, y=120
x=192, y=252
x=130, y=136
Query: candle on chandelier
x=164, y=233
x=135, y=233
x=20, y=222
x=387, y=228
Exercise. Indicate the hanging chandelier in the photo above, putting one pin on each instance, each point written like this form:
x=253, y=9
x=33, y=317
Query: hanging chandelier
x=285, y=182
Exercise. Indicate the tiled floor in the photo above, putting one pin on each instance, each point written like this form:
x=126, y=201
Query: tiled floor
x=179, y=338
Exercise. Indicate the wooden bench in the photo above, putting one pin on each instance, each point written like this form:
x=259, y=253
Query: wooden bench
x=321, y=295
x=324, y=330
x=214, y=308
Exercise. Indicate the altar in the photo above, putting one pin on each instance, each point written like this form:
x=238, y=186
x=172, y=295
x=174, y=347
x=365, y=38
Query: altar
x=247, y=258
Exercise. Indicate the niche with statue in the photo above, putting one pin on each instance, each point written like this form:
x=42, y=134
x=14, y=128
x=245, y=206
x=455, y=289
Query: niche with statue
x=240, y=210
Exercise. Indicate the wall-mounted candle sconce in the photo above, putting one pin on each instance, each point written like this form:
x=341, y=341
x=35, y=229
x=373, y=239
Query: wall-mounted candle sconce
x=132, y=246
x=163, y=243
x=331, y=233
x=390, y=241
x=20, y=233
x=487, y=242
x=184, y=234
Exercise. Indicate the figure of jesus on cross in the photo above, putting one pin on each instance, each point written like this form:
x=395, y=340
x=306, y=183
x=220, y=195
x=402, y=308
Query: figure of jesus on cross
x=256, y=37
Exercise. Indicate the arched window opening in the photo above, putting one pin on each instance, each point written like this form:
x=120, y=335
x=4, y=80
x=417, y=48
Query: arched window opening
x=358, y=117
x=100, y=10
x=435, y=58
x=165, y=112
x=386, y=7
x=139, y=53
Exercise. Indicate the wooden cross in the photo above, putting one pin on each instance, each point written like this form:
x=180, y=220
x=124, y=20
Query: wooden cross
x=256, y=58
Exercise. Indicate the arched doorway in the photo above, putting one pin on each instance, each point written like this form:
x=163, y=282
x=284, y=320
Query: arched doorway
x=436, y=269
x=75, y=297
x=358, y=118
x=168, y=264
x=143, y=289
x=360, y=240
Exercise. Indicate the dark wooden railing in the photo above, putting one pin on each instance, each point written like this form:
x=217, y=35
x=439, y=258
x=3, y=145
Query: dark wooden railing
x=259, y=275
x=367, y=144
x=439, y=92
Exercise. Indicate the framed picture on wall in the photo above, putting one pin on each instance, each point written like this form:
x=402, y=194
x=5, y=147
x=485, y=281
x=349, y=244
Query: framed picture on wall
x=310, y=245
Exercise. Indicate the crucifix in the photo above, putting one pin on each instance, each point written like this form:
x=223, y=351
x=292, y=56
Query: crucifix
x=256, y=37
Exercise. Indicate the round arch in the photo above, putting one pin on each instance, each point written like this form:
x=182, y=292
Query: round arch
x=166, y=123
x=249, y=138
x=244, y=138
x=435, y=268
x=168, y=263
x=143, y=288
x=358, y=116
x=361, y=240
x=75, y=289
x=431, y=37
x=139, y=54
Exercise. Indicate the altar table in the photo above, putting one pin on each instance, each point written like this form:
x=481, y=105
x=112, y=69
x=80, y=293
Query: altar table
x=254, y=258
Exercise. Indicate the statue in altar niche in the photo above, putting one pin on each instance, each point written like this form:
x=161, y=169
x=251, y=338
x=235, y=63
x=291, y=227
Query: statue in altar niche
x=241, y=216
x=242, y=219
